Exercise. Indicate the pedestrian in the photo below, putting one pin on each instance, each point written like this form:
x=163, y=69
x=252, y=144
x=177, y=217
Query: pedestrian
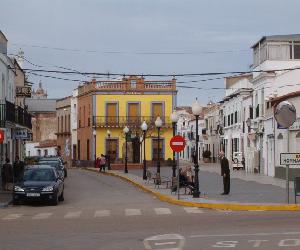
x=18, y=169
x=97, y=163
x=8, y=175
x=102, y=163
x=225, y=172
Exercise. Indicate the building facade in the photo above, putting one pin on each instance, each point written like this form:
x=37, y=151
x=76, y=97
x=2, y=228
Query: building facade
x=106, y=107
x=63, y=119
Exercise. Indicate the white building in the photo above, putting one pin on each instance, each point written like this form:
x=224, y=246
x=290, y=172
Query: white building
x=74, y=103
x=273, y=55
x=212, y=129
x=234, y=112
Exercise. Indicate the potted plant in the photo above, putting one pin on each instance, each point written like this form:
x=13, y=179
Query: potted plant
x=206, y=156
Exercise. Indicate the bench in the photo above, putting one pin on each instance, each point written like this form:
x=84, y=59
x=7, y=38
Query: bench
x=159, y=180
x=185, y=186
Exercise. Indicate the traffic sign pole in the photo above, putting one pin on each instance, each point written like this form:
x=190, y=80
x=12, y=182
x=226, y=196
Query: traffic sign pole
x=287, y=170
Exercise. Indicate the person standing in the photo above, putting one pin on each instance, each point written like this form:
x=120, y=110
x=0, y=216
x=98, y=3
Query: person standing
x=8, y=174
x=102, y=163
x=225, y=172
x=18, y=169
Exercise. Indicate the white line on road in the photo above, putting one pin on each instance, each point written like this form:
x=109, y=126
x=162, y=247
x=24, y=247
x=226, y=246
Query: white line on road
x=102, y=213
x=165, y=243
x=72, y=215
x=132, y=212
x=12, y=217
x=193, y=210
x=41, y=216
x=242, y=235
x=162, y=210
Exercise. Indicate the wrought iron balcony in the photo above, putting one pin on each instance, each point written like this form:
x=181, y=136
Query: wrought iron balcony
x=9, y=112
x=130, y=121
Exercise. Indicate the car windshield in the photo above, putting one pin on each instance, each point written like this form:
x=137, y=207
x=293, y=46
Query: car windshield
x=51, y=164
x=39, y=175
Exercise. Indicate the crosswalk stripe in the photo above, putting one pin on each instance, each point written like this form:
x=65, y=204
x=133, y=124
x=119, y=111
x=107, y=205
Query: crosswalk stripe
x=132, y=212
x=193, y=210
x=72, y=215
x=102, y=213
x=12, y=216
x=162, y=210
x=42, y=216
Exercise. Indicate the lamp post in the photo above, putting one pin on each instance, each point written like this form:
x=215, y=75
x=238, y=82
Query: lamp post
x=126, y=130
x=95, y=146
x=158, y=124
x=107, y=151
x=144, y=127
x=196, y=109
x=174, y=118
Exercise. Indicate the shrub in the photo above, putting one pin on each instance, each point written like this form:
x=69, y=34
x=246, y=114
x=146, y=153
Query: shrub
x=206, y=154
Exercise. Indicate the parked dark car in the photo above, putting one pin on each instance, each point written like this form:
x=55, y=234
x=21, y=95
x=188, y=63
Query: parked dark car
x=40, y=183
x=55, y=164
x=57, y=159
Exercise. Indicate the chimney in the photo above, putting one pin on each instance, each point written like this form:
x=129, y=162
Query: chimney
x=3, y=43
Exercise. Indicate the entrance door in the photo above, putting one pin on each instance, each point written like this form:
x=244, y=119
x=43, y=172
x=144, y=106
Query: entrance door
x=111, y=114
x=133, y=114
x=155, y=149
x=136, y=149
x=112, y=149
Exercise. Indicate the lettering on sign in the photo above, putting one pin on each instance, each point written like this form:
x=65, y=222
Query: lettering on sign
x=290, y=159
x=23, y=91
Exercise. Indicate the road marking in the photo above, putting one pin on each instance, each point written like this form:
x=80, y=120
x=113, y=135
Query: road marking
x=162, y=211
x=12, y=217
x=224, y=211
x=102, y=213
x=242, y=235
x=193, y=210
x=72, y=215
x=165, y=243
x=132, y=212
x=42, y=216
x=170, y=241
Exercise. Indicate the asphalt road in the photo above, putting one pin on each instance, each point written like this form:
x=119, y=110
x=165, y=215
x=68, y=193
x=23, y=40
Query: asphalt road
x=103, y=212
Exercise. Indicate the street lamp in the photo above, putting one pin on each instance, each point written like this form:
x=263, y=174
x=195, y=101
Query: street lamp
x=196, y=109
x=126, y=130
x=108, y=150
x=144, y=127
x=174, y=118
x=95, y=146
x=158, y=124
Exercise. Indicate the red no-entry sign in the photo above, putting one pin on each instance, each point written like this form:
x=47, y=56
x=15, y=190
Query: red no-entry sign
x=177, y=143
x=1, y=136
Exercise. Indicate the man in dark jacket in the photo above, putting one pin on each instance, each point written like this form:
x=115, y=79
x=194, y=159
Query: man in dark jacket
x=225, y=172
x=8, y=174
x=18, y=168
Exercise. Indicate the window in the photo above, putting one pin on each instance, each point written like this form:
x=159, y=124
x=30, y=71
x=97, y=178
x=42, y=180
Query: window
x=251, y=112
x=228, y=120
x=133, y=84
x=235, y=116
x=257, y=111
x=39, y=152
x=83, y=116
x=231, y=118
x=58, y=124
x=297, y=51
x=46, y=152
x=62, y=124
x=66, y=128
x=224, y=121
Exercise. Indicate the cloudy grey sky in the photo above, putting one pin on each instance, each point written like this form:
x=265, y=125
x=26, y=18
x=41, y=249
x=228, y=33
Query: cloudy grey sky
x=155, y=37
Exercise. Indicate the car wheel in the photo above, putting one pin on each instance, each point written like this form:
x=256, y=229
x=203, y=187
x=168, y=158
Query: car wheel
x=61, y=197
x=55, y=200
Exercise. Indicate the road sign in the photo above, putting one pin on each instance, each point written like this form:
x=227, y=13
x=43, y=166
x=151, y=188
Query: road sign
x=177, y=143
x=1, y=136
x=290, y=159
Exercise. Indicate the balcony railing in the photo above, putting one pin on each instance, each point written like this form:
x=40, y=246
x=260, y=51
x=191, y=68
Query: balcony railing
x=9, y=112
x=130, y=121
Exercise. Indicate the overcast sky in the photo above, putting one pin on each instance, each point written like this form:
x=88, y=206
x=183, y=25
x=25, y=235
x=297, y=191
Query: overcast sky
x=145, y=36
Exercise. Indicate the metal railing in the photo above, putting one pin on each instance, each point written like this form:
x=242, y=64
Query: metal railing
x=130, y=121
x=9, y=112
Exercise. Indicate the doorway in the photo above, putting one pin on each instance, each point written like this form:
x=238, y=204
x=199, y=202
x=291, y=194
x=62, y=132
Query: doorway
x=112, y=149
x=136, y=149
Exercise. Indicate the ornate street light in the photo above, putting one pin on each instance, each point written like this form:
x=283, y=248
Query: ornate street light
x=196, y=109
x=174, y=118
x=126, y=130
x=144, y=127
x=158, y=124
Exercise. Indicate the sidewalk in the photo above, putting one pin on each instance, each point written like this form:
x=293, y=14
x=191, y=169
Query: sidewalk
x=248, y=191
x=5, y=198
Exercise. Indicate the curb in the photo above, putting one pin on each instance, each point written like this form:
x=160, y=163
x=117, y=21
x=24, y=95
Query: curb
x=219, y=206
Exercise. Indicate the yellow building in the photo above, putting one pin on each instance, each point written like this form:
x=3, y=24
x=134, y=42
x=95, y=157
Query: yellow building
x=129, y=102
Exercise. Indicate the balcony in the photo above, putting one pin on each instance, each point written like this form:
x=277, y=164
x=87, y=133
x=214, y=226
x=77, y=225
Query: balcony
x=130, y=121
x=9, y=112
